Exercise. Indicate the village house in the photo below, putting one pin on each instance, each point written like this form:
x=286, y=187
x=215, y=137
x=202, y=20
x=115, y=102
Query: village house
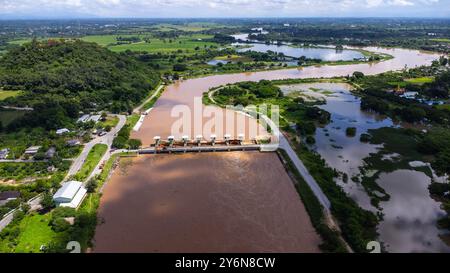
x=4, y=153
x=32, y=150
x=71, y=194
x=73, y=142
x=50, y=153
x=62, y=131
x=87, y=118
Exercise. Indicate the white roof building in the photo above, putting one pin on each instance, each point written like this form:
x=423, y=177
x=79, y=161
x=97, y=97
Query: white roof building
x=86, y=118
x=71, y=194
x=95, y=118
x=32, y=150
x=62, y=131
x=83, y=118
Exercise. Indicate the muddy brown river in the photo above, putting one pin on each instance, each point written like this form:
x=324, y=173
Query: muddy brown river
x=209, y=202
x=223, y=202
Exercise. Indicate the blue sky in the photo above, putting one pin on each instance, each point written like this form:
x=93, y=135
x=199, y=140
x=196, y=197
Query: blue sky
x=223, y=8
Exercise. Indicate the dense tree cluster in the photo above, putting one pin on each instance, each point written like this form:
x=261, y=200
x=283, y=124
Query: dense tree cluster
x=246, y=93
x=61, y=78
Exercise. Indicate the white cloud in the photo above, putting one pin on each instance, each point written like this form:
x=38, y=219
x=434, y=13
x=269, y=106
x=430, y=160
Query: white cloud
x=225, y=8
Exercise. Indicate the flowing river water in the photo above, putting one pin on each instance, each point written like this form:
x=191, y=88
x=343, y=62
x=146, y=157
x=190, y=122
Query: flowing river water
x=219, y=202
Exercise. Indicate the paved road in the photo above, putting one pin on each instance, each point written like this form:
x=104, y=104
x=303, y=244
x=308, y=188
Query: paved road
x=285, y=145
x=35, y=204
x=106, y=139
x=138, y=109
x=20, y=161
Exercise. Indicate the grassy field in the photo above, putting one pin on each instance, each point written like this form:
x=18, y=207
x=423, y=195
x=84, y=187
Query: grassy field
x=110, y=121
x=132, y=120
x=188, y=42
x=234, y=58
x=445, y=40
x=420, y=81
x=444, y=106
x=7, y=116
x=94, y=156
x=35, y=232
x=6, y=94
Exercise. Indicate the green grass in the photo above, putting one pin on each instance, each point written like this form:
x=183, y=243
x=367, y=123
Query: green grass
x=132, y=120
x=7, y=116
x=445, y=40
x=444, y=106
x=421, y=80
x=110, y=121
x=35, y=231
x=6, y=94
x=94, y=156
x=187, y=42
x=233, y=58
x=20, y=41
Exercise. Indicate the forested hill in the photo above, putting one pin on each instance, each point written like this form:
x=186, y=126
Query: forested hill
x=61, y=77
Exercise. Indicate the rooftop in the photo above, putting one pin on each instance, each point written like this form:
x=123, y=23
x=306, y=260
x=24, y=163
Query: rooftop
x=68, y=190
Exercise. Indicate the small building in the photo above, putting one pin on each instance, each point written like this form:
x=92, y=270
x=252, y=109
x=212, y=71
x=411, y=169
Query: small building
x=62, y=131
x=409, y=95
x=50, y=153
x=95, y=118
x=86, y=118
x=71, y=194
x=32, y=150
x=73, y=142
x=51, y=169
x=83, y=118
x=4, y=153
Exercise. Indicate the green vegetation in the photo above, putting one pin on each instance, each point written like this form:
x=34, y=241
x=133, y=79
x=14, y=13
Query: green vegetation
x=350, y=131
x=445, y=40
x=109, y=121
x=19, y=171
x=20, y=140
x=94, y=156
x=88, y=77
x=8, y=116
x=377, y=98
x=27, y=233
x=358, y=225
x=420, y=80
x=147, y=43
x=331, y=239
x=6, y=94
x=246, y=93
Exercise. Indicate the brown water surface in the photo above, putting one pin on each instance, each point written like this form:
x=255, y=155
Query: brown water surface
x=227, y=202
x=159, y=122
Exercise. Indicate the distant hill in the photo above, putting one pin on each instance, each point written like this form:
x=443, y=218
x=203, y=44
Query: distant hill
x=62, y=77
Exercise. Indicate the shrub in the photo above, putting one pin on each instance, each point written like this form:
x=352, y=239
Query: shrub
x=350, y=131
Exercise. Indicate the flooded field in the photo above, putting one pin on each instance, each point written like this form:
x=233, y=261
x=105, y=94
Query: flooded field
x=324, y=54
x=410, y=216
x=185, y=93
x=227, y=202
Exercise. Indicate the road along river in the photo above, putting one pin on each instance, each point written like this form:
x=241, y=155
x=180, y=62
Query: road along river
x=228, y=202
